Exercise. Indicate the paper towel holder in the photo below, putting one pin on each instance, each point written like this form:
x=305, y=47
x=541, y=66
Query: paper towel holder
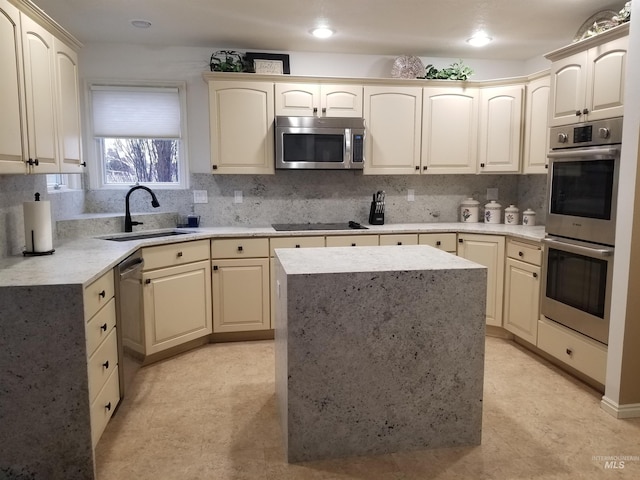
x=37, y=254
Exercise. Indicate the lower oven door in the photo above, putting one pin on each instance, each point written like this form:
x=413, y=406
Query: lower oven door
x=577, y=286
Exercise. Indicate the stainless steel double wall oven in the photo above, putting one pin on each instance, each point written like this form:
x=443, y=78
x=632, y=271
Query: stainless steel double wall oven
x=584, y=162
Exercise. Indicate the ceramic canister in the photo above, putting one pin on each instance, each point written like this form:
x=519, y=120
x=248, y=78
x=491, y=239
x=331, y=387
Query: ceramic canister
x=492, y=212
x=469, y=210
x=529, y=218
x=511, y=215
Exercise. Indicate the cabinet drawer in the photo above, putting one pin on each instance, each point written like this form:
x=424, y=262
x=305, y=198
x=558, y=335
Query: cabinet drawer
x=577, y=351
x=525, y=252
x=443, y=241
x=175, y=254
x=295, y=242
x=103, y=361
x=353, y=241
x=97, y=294
x=100, y=326
x=239, y=247
x=103, y=406
x=399, y=239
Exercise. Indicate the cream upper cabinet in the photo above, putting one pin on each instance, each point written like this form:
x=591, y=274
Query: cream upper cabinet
x=449, y=130
x=242, y=127
x=589, y=84
x=536, y=131
x=68, y=109
x=39, y=69
x=308, y=99
x=487, y=250
x=393, y=119
x=500, y=129
x=12, y=126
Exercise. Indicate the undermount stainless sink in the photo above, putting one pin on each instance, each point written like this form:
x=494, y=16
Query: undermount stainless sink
x=125, y=237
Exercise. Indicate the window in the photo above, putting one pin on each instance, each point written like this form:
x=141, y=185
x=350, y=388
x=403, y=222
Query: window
x=138, y=133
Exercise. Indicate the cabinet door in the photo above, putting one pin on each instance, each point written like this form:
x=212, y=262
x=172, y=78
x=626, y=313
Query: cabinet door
x=568, y=83
x=177, y=305
x=341, y=100
x=487, y=250
x=536, y=133
x=500, y=128
x=241, y=295
x=39, y=68
x=68, y=120
x=449, y=130
x=399, y=239
x=241, y=121
x=605, y=79
x=522, y=299
x=297, y=99
x=393, y=121
x=443, y=241
x=12, y=126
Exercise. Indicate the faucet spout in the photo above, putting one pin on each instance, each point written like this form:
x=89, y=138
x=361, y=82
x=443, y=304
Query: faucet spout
x=128, y=223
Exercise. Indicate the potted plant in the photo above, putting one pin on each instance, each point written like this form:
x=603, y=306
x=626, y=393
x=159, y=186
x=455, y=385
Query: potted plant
x=227, y=61
x=457, y=71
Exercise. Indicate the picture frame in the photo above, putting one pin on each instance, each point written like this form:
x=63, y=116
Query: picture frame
x=269, y=63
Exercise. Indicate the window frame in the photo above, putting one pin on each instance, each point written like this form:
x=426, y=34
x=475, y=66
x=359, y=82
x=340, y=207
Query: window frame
x=95, y=153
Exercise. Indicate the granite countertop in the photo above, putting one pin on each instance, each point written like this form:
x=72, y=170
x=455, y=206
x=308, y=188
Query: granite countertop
x=84, y=260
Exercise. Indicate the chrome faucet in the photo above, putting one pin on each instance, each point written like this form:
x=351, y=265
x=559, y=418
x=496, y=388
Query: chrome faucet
x=128, y=224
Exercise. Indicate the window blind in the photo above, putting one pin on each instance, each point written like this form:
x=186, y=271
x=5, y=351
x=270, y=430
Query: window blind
x=135, y=112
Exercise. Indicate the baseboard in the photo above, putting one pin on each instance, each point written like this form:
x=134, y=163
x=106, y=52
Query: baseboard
x=631, y=410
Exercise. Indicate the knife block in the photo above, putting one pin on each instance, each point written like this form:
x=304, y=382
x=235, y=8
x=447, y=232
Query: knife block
x=375, y=218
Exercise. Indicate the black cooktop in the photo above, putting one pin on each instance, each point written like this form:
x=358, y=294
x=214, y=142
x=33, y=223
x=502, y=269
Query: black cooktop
x=296, y=227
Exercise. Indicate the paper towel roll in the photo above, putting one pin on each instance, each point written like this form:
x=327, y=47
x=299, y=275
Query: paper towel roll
x=37, y=227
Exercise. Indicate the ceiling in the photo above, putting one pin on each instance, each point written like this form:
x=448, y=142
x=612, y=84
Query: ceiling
x=522, y=29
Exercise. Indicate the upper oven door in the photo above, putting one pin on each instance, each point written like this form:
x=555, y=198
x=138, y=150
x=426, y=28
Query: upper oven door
x=583, y=191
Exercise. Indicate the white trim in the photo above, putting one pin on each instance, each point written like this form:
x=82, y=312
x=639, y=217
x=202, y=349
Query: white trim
x=631, y=410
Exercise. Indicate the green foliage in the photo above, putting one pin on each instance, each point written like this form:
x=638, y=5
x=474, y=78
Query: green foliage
x=457, y=71
x=227, y=61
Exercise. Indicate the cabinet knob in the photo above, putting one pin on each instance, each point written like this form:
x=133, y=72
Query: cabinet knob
x=569, y=351
x=535, y=275
x=324, y=110
x=424, y=167
x=353, y=244
x=103, y=327
x=102, y=294
x=215, y=268
x=585, y=111
x=239, y=248
x=417, y=167
x=578, y=113
x=106, y=364
x=546, y=165
x=147, y=281
x=214, y=167
x=459, y=240
x=83, y=164
x=33, y=162
x=179, y=254
x=108, y=406
x=520, y=254
x=297, y=246
x=438, y=243
x=315, y=109
x=482, y=165
x=399, y=243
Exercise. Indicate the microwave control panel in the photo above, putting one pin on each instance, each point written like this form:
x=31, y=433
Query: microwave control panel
x=358, y=148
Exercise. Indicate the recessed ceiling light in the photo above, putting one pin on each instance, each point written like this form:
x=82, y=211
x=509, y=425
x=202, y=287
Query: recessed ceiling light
x=322, y=32
x=479, y=39
x=141, y=23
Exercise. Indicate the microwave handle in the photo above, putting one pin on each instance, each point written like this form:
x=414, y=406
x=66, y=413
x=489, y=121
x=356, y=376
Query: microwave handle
x=579, y=249
x=347, y=146
x=581, y=152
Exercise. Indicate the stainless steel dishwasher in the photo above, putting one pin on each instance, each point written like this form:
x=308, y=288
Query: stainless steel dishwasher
x=129, y=318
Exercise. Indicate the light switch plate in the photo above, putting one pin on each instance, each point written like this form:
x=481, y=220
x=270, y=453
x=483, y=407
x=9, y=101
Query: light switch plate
x=411, y=195
x=492, y=194
x=200, y=196
x=237, y=196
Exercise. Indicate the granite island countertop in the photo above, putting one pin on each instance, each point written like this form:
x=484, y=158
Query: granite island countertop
x=84, y=260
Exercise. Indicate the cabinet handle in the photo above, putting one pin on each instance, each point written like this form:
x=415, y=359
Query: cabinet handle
x=108, y=407
x=535, y=275
x=239, y=248
x=577, y=113
x=546, y=165
x=585, y=111
x=315, y=109
x=102, y=294
x=103, y=327
x=482, y=165
x=353, y=244
x=417, y=167
x=520, y=254
x=147, y=281
x=214, y=167
x=83, y=164
x=460, y=240
x=424, y=167
x=106, y=364
x=399, y=243
x=33, y=162
x=569, y=351
x=179, y=254
x=324, y=110
x=297, y=246
x=215, y=268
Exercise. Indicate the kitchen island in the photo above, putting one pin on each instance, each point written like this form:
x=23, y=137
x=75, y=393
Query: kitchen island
x=378, y=350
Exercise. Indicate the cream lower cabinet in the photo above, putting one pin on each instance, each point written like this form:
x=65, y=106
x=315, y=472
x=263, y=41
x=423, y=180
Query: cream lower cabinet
x=287, y=242
x=353, y=241
x=176, y=282
x=443, y=241
x=487, y=250
x=240, y=272
x=399, y=239
x=522, y=289
x=102, y=352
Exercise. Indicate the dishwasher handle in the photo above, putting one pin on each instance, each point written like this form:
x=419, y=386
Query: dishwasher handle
x=127, y=269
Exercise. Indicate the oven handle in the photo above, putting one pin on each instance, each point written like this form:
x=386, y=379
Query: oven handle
x=579, y=249
x=582, y=152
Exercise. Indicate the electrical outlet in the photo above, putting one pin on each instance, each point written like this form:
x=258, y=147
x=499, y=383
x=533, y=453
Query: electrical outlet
x=492, y=194
x=237, y=196
x=200, y=196
x=411, y=195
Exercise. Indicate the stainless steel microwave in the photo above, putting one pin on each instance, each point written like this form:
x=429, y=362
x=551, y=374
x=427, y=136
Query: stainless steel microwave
x=319, y=143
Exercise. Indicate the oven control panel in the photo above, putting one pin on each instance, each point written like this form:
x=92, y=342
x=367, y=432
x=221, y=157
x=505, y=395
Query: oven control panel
x=590, y=134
